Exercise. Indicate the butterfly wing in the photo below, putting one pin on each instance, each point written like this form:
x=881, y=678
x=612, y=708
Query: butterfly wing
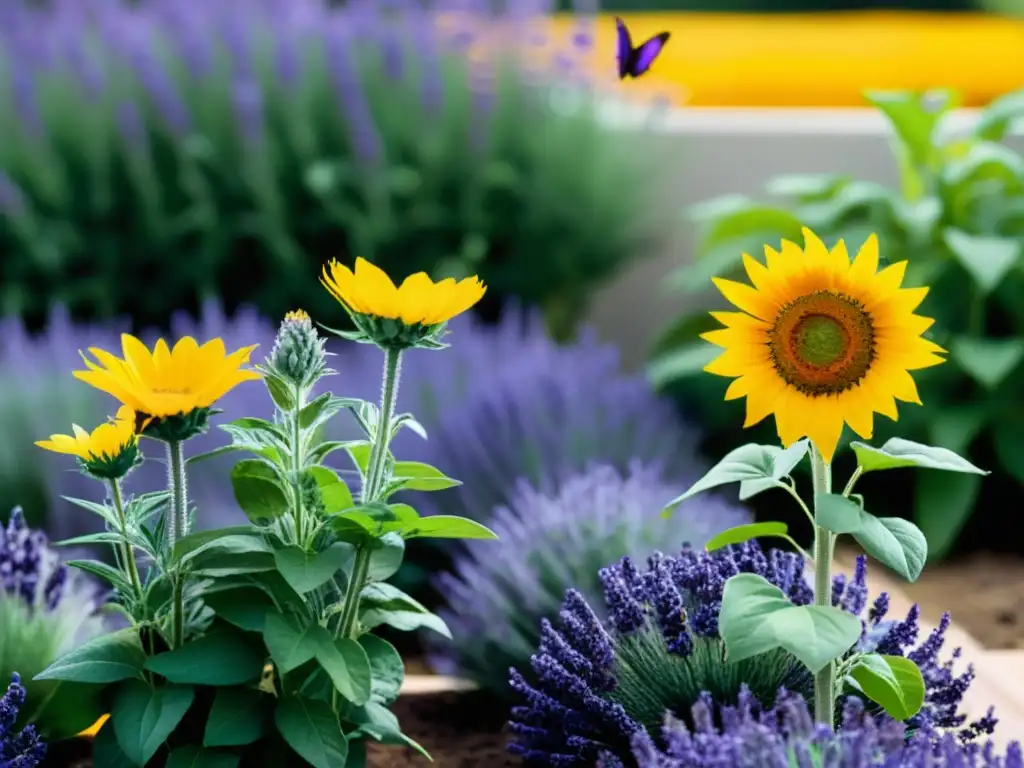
x=625, y=48
x=645, y=55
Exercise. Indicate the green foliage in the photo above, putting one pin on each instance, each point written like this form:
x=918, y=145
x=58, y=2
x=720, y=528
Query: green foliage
x=254, y=640
x=958, y=220
x=255, y=173
x=758, y=619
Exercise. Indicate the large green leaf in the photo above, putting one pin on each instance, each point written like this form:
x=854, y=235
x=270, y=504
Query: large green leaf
x=741, y=533
x=942, y=505
x=144, y=716
x=387, y=667
x=291, y=642
x=236, y=718
x=221, y=657
x=258, y=490
x=306, y=571
x=193, y=756
x=105, y=659
x=987, y=259
x=987, y=361
x=896, y=453
x=894, y=682
x=756, y=618
x=312, y=730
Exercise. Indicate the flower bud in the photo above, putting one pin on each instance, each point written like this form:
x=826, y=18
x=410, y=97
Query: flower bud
x=298, y=355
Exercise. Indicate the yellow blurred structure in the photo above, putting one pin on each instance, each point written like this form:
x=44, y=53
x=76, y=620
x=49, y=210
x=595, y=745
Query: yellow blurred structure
x=813, y=60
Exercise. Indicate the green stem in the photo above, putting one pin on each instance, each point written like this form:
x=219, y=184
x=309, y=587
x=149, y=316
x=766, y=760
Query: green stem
x=126, y=548
x=297, y=461
x=177, y=527
x=350, y=608
x=825, y=680
x=382, y=439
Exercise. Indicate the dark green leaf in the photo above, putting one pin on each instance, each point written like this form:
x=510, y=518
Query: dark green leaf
x=987, y=361
x=258, y=490
x=987, y=259
x=105, y=659
x=756, y=618
x=202, y=539
x=312, y=730
x=942, y=504
x=345, y=662
x=305, y=571
x=192, y=756
x=386, y=558
x=144, y=717
x=246, y=607
x=381, y=725
x=236, y=718
x=290, y=642
x=220, y=657
x=232, y=555
x=387, y=669
x=106, y=752
x=741, y=533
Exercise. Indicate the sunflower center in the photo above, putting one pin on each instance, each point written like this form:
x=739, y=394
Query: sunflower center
x=822, y=343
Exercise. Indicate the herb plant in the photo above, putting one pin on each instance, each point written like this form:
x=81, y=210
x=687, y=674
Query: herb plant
x=253, y=645
x=957, y=219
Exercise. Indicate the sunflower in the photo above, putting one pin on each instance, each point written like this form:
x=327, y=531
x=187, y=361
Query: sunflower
x=168, y=383
x=402, y=315
x=821, y=341
x=109, y=451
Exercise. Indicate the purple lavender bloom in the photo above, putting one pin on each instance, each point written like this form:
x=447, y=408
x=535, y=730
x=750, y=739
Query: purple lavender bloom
x=18, y=749
x=40, y=397
x=506, y=403
x=646, y=667
x=46, y=608
x=498, y=593
x=785, y=736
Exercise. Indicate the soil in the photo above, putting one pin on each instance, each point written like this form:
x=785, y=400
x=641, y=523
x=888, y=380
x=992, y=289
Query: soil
x=458, y=729
x=984, y=593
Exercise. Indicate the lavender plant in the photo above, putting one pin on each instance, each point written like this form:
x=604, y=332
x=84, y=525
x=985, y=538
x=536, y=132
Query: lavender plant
x=498, y=594
x=18, y=749
x=37, y=398
x=45, y=610
x=264, y=136
x=593, y=685
x=509, y=403
x=785, y=735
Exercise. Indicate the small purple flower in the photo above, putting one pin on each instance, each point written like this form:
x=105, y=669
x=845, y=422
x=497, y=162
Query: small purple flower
x=665, y=660
x=29, y=569
x=18, y=749
x=498, y=593
x=785, y=737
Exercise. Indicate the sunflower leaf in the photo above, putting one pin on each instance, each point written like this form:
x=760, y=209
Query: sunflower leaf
x=987, y=259
x=747, y=463
x=897, y=452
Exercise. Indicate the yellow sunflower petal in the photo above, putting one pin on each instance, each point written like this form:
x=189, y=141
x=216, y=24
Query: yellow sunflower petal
x=746, y=298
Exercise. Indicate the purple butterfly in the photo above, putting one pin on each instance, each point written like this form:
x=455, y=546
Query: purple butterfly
x=634, y=62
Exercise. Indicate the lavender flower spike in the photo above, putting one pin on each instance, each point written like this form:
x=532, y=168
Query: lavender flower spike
x=18, y=749
x=666, y=656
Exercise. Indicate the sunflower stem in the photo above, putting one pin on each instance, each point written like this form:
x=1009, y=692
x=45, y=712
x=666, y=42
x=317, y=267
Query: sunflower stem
x=382, y=439
x=177, y=527
x=825, y=680
x=372, y=488
x=126, y=548
x=297, y=462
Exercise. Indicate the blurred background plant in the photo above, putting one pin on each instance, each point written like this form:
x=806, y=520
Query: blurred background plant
x=230, y=150
x=497, y=598
x=46, y=609
x=505, y=403
x=958, y=219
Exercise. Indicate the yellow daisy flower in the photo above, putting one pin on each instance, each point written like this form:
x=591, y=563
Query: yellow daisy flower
x=168, y=382
x=417, y=301
x=821, y=341
x=109, y=451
